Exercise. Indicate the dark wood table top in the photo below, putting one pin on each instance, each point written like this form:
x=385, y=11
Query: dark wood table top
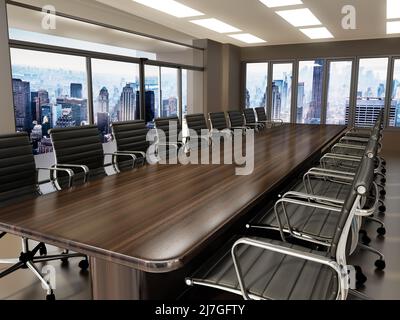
x=158, y=217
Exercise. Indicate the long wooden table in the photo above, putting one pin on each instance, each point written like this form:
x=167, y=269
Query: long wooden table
x=158, y=218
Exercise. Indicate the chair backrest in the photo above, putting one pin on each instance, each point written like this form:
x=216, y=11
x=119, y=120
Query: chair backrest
x=218, y=120
x=250, y=116
x=261, y=115
x=79, y=146
x=236, y=119
x=131, y=135
x=18, y=176
x=164, y=125
x=361, y=186
x=196, y=122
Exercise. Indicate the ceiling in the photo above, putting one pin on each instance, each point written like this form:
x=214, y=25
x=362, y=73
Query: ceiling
x=253, y=17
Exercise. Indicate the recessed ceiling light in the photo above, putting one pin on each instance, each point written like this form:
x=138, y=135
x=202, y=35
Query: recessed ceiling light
x=280, y=3
x=216, y=25
x=247, y=38
x=393, y=9
x=299, y=17
x=393, y=27
x=317, y=33
x=171, y=7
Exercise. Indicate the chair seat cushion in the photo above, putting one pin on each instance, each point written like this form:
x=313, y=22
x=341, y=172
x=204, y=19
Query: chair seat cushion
x=269, y=275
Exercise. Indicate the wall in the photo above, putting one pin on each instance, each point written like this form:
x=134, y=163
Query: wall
x=7, y=123
x=221, y=77
x=390, y=46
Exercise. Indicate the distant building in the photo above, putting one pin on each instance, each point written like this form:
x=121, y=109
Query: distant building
x=170, y=107
x=76, y=90
x=314, y=111
x=276, y=101
x=127, y=104
x=300, y=102
x=78, y=108
x=22, y=106
x=103, y=101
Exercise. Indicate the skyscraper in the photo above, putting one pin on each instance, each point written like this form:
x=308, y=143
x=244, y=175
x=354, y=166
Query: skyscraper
x=76, y=90
x=22, y=106
x=103, y=101
x=300, y=102
x=276, y=101
x=314, y=112
x=77, y=108
x=127, y=103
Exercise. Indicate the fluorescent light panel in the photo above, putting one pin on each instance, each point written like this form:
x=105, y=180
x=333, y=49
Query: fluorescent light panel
x=393, y=27
x=280, y=3
x=393, y=9
x=317, y=33
x=299, y=17
x=171, y=7
x=216, y=25
x=247, y=38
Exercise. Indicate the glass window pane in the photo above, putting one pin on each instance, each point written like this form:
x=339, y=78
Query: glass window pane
x=395, y=105
x=339, y=88
x=192, y=92
x=169, y=92
x=152, y=86
x=310, y=87
x=371, y=90
x=256, y=85
x=50, y=90
x=115, y=93
x=282, y=91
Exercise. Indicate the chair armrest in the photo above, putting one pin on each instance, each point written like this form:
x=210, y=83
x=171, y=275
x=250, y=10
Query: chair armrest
x=355, y=139
x=68, y=171
x=278, y=120
x=341, y=157
x=348, y=146
x=311, y=197
x=143, y=154
x=344, y=177
x=84, y=168
x=366, y=212
x=114, y=155
x=304, y=236
x=340, y=271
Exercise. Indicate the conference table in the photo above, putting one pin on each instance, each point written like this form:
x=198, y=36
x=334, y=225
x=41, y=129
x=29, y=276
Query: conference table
x=144, y=226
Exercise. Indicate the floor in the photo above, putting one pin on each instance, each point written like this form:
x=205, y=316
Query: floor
x=72, y=284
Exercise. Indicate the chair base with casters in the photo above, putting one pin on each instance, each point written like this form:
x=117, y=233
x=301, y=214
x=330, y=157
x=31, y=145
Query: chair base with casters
x=29, y=258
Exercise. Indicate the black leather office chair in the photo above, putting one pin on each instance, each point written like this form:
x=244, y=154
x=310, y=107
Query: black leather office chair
x=81, y=150
x=262, y=117
x=236, y=120
x=130, y=137
x=19, y=181
x=198, y=124
x=250, y=117
x=171, y=138
x=218, y=121
x=258, y=268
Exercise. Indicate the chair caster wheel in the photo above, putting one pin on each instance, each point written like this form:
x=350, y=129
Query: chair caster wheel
x=51, y=297
x=43, y=251
x=383, y=180
x=360, y=276
x=383, y=193
x=84, y=265
x=382, y=209
x=381, y=231
x=383, y=171
x=64, y=261
x=380, y=264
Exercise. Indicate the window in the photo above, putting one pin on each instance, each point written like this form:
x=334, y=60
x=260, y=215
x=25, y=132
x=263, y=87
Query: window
x=192, y=92
x=116, y=88
x=282, y=91
x=256, y=85
x=152, y=100
x=169, y=92
x=371, y=90
x=50, y=90
x=395, y=101
x=339, y=88
x=310, y=91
